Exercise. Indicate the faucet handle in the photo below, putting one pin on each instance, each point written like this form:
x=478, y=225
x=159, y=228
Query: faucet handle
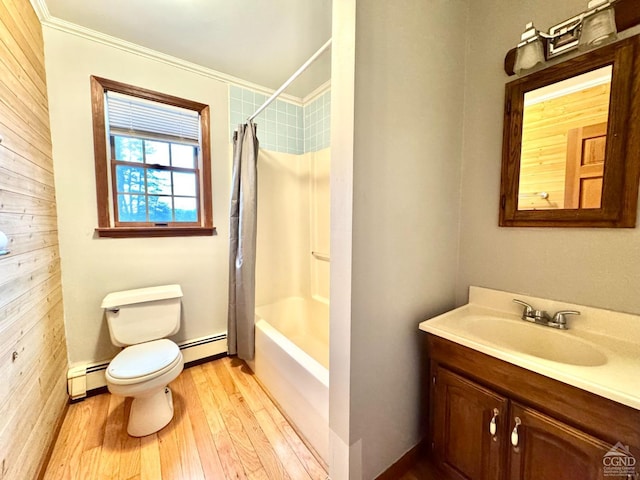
x=528, y=309
x=560, y=317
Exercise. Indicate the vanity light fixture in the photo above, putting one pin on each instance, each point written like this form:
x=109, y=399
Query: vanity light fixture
x=590, y=28
x=530, y=50
x=564, y=36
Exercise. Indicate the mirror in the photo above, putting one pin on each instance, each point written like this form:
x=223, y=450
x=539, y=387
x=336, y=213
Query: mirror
x=564, y=130
x=571, y=143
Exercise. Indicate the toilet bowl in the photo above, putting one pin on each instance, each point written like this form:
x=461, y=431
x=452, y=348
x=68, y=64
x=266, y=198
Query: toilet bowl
x=143, y=372
x=139, y=320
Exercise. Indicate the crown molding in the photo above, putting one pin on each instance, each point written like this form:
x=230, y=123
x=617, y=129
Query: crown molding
x=321, y=90
x=41, y=9
x=55, y=23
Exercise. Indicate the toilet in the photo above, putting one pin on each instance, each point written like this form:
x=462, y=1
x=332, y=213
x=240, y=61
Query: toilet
x=139, y=320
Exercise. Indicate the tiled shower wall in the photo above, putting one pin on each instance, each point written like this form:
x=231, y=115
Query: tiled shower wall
x=317, y=123
x=283, y=126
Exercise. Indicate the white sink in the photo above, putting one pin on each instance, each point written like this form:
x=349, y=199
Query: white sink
x=599, y=352
x=531, y=339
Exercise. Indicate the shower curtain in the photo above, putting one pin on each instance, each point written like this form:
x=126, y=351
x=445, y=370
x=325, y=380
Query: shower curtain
x=242, y=243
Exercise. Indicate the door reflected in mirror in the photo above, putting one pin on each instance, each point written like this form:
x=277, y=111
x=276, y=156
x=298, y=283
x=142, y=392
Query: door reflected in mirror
x=564, y=129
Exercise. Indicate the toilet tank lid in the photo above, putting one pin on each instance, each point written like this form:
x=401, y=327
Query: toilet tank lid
x=141, y=295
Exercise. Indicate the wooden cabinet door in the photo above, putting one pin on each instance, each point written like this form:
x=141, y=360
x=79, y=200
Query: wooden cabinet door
x=464, y=446
x=547, y=449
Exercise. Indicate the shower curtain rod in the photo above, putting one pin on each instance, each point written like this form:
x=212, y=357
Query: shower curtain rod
x=304, y=66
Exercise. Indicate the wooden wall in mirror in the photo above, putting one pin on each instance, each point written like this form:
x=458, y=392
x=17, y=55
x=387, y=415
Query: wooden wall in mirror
x=571, y=142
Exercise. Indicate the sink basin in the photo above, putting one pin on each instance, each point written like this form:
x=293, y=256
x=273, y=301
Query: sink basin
x=599, y=352
x=536, y=340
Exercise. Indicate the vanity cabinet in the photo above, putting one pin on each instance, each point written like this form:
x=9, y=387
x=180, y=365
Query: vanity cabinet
x=549, y=449
x=491, y=420
x=464, y=413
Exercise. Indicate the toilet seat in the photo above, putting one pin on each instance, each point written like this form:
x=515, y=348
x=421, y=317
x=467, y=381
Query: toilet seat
x=142, y=362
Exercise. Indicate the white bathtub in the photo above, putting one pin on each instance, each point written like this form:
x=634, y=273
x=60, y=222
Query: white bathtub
x=292, y=362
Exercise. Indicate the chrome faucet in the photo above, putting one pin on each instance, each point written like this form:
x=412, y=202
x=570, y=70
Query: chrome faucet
x=541, y=317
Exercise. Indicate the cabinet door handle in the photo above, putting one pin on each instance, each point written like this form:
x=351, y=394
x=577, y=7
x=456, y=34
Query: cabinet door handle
x=514, y=433
x=493, y=424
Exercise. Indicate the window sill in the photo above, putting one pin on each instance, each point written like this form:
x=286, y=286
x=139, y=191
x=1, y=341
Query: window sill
x=142, y=232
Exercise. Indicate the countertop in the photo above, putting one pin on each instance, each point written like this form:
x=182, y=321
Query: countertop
x=616, y=335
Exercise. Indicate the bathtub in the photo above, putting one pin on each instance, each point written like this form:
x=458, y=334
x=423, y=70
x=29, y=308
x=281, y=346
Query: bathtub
x=292, y=363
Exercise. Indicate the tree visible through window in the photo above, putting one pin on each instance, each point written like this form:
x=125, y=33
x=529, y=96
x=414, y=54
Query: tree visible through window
x=155, y=181
x=152, y=162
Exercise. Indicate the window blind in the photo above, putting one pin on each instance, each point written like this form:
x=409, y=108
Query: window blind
x=135, y=116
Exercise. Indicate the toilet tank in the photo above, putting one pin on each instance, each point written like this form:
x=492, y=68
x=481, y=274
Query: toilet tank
x=143, y=314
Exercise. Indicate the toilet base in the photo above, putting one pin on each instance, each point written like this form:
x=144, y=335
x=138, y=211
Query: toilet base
x=150, y=413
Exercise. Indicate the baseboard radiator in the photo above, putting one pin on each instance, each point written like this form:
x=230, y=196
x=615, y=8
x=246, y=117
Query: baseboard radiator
x=82, y=379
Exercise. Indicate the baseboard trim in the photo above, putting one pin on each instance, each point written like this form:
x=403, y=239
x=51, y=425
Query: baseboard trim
x=200, y=361
x=86, y=380
x=404, y=463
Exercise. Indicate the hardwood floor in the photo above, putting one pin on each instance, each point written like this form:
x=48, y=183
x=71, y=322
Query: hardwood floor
x=423, y=470
x=224, y=427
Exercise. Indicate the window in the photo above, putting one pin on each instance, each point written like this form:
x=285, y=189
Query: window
x=152, y=158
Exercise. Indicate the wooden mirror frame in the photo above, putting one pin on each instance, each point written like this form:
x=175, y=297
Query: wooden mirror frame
x=622, y=164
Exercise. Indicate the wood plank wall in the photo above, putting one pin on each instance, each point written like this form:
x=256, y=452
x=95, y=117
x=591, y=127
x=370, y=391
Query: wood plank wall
x=544, y=142
x=33, y=394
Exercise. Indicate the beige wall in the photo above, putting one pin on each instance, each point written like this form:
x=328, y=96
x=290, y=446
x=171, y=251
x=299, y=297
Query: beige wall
x=33, y=353
x=599, y=267
x=92, y=266
x=396, y=250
